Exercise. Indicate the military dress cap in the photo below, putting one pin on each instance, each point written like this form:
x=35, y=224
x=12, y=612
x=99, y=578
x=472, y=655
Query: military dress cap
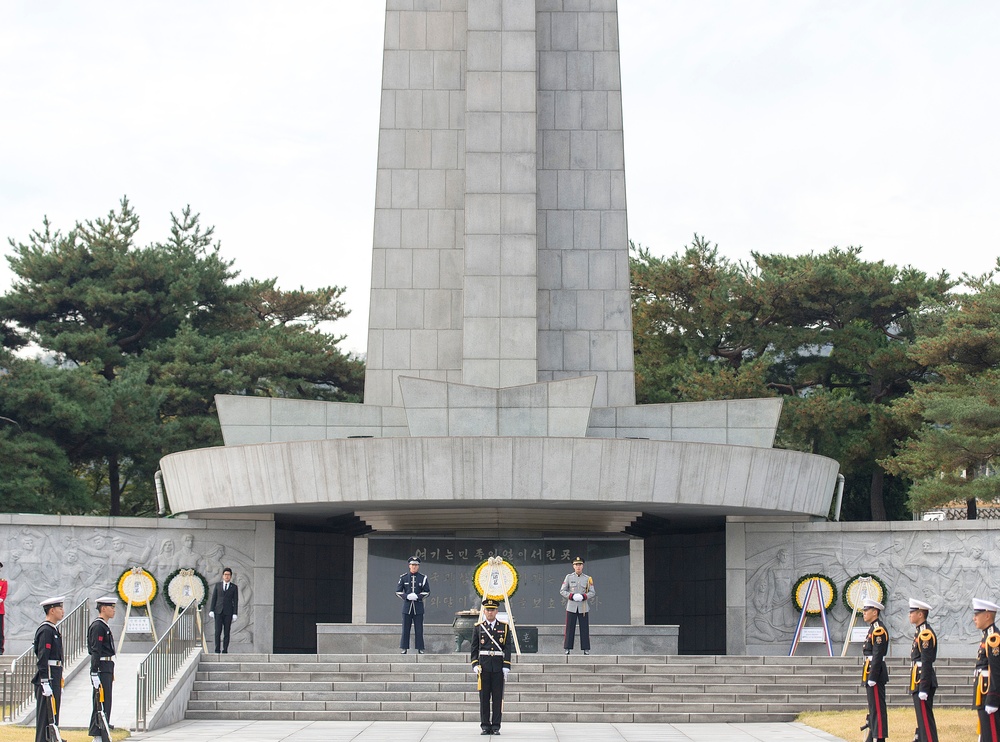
x=48, y=602
x=106, y=600
x=491, y=603
x=872, y=603
x=578, y=560
x=918, y=605
x=978, y=604
x=413, y=560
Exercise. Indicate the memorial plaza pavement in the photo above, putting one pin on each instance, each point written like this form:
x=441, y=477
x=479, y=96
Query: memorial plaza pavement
x=377, y=731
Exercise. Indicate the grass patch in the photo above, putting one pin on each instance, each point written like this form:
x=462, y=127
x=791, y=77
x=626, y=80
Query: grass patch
x=954, y=724
x=11, y=733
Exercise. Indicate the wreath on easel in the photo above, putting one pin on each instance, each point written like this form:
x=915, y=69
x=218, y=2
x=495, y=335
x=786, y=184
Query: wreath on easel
x=174, y=587
x=851, y=597
x=137, y=587
x=828, y=592
x=505, y=571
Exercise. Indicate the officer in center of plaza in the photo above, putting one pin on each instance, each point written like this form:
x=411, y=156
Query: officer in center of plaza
x=923, y=679
x=412, y=588
x=875, y=673
x=491, y=642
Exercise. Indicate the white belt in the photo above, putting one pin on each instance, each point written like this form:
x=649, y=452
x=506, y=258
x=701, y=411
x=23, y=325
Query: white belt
x=918, y=663
x=868, y=656
x=492, y=653
x=105, y=659
x=55, y=663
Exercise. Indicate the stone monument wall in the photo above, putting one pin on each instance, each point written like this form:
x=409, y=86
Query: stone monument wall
x=82, y=558
x=944, y=564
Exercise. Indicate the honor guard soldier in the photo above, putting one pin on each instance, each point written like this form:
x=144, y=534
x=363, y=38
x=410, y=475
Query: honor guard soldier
x=875, y=674
x=412, y=588
x=3, y=600
x=491, y=662
x=984, y=614
x=923, y=679
x=578, y=590
x=48, y=678
x=101, y=646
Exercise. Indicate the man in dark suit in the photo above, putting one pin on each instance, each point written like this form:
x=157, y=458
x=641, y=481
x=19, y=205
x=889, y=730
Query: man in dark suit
x=224, y=608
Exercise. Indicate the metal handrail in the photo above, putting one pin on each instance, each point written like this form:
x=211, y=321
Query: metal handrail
x=18, y=691
x=164, y=660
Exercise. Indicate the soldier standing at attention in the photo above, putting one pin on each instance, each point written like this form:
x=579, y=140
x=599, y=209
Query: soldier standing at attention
x=984, y=614
x=923, y=679
x=875, y=674
x=48, y=678
x=101, y=647
x=491, y=662
x=412, y=588
x=578, y=589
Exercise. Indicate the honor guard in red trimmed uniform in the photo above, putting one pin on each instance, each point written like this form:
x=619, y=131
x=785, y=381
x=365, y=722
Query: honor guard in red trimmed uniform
x=984, y=614
x=578, y=589
x=48, y=679
x=923, y=679
x=875, y=674
x=3, y=600
x=101, y=646
x=491, y=662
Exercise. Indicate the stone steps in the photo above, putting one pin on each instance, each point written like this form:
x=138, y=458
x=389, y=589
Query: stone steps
x=598, y=688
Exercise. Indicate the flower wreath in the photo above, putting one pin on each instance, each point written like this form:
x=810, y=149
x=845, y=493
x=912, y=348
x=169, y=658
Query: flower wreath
x=504, y=566
x=130, y=587
x=174, y=589
x=828, y=592
x=851, y=595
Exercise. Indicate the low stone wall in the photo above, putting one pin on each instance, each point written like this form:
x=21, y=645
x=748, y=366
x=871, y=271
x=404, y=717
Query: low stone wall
x=334, y=638
x=82, y=557
x=943, y=563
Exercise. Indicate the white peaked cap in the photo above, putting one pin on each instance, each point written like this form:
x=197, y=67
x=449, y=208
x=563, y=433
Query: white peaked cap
x=919, y=605
x=107, y=600
x=52, y=601
x=872, y=603
x=978, y=604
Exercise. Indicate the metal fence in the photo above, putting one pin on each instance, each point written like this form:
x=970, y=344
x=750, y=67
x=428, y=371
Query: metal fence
x=18, y=692
x=164, y=660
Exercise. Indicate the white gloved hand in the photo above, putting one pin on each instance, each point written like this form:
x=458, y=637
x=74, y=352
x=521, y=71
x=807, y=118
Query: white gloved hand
x=990, y=709
x=578, y=597
x=871, y=683
x=506, y=672
x=235, y=616
x=922, y=696
x=411, y=596
x=46, y=688
x=211, y=614
x=96, y=680
x=477, y=669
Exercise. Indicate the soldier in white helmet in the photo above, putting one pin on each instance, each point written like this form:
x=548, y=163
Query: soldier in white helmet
x=923, y=679
x=984, y=614
x=875, y=674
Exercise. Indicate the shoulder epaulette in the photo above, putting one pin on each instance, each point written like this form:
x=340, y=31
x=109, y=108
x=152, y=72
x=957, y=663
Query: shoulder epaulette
x=879, y=631
x=926, y=635
x=993, y=640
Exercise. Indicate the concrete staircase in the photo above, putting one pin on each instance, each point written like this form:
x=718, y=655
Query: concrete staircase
x=598, y=688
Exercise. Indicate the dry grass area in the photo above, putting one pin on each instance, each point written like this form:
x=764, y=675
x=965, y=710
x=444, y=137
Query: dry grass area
x=11, y=733
x=954, y=724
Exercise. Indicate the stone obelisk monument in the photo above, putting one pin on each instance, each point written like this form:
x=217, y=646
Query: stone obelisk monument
x=501, y=246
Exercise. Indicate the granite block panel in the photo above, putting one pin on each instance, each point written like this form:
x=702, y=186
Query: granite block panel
x=421, y=70
x=483, y=132
x=564, y=31
x=436, y=109
x=412, y=30
x=483, y=91
x=482, y=255
x=413, y=229
x=485, y=15
x=517, y=132
x=518, y=255
x=580, y=70
x=387, y=228
x=552, y=73
x=519, y=51
x=440, y=30
x=484, y=51
x=518, y=91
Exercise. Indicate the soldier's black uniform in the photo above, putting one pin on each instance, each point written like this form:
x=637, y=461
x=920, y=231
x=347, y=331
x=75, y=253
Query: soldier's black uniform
x=875, y=649
x=987, y=691
x=101, y=646
x=491, y=652
x=49, y=651
x=923, y=679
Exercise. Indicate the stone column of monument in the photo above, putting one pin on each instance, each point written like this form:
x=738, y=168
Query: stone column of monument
x=501, y=248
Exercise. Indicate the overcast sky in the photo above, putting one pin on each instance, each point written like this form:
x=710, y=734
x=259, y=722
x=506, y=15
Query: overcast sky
x=771, y=126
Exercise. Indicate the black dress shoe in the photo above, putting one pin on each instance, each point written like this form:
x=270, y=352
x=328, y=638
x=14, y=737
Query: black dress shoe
x=420, y=651
x=496, y=731
x=402, y=651
x=485, y=732
x=567, y=651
